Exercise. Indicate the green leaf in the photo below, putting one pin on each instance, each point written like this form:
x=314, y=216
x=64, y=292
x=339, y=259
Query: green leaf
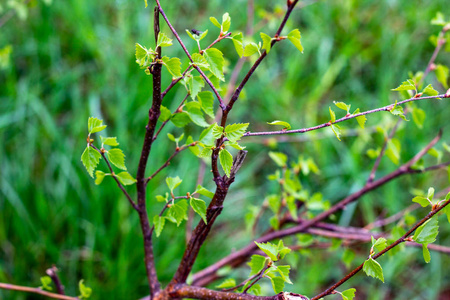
x=284, y=273
x=206, y=100
x=347, y=257
x=361, y=119
x=279, y=158
x=146, y=3
x=163, y=40
x=337, y=130
x=256, y=264
x=237, y=42
x=348, y=294
x=165, y=114
x=125, y=178
x=214, y=57
x=179, y=211
x=294, y=36
x=158, y=222
x=215, y=22
x=217, y=131
x=194, y=111
x=84, y=290
x=117, y=158
x=269, y=249
x=99, y=175
x=397, y=110
x=200, y=61
x=173, y=182
x=234, y=132
x=438, y=19
x=379, y=244
x=227, y=283
x=441, y=72
x=430, y=91
x=447, y=212
x=209, y=135
x=286, y=125
x=282, y=250
x=203, y=191
x=202, y=36
x=110, y=141
x=426, y=253
x=427, y=232
x=255, y=289
x=199, y=206
x=418, y=116
x=250, y=49
x=393, y=150
x=267, y=40
x=277, y=284
x=95, y=125
x=46, y=281
x=274, y=202
x=406, y=86
x=180, y=119
x=424, y=202
x=430, y=194
x=332, y=115
x=372, y=268
x=196, y=84
x=226, y=22
x=90, y=159
x=141, y=55
x=160, y=198
x=343, y=106
x=226, y=161
x=173, y=65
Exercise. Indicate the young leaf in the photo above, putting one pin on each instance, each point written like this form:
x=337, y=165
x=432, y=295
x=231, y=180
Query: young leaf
x=46, y=281
x=199, y=206
x=430, y=192
x=141, y=54
x=418, y=116
x=234, y=132
x=158, y=222
x=203, y=191
x=226, y=22
x=348, y=294
x=173, y=182
x=163, y=40
x=196, y=84
x=117, y=158
x=173, y=65
x=217, y=131
x=237, y=42
x=424, y=202
x=393, y=150
x=250, y=49
x=208, y=136
x=84, y=290
x=441, y=72
x=180, y=119
x=269, y=249
x=343, y=106
x=125, y=178
x=267, y=40
x=256, y=264
x=215, y=22
x=286, y=125
x=372, y=268
x=227, y=283
x=284, y=273
x=110, y=141
x=397, y=110
x=215, y=60
x=195, y=113
x=226, y=161
x=332, y=115
x=165, y=114
x=279, y=158
x=361, y=119
x=406, y=86
x=430, y=91
x=90, y=159
x=206, y=100
x=282, y=250
x=179, y=211
x=277, y=284
x=337, y=130
x=294, y=36
x=426, y=253
x=99, y=175
x=379, y=244
x=200, y=61
x=427, y=232
x=95, y=125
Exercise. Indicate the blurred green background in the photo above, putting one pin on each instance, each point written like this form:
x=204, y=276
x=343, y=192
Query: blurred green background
x=74, y=59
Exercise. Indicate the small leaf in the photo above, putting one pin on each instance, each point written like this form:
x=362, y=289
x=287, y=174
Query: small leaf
x=206, y=100
x=379, y=244
x=361, y=119
x=424, y=202
x=179, y=211
x=397, y=110
x=237, y=42
x=165, y=114
x=141, y=54
x=84, y=290
x=438, y=19
x=215, y=22
x=284, y=273
x=337, y=130
x=442, y=72
x=427, y=232
x=294, y=36
x=199, y=206
x=348, y=294
x=163, y=40
x=203, y=191
x=46, y=281
x=125, y=178
x=234, y=132
x=180, y=119
x=343, y=106
x=332, y=115
x=173, y=65
x=194, y=111
x=426, y=253
x=406, y=86
x=393, y=150
x=227, y=283
x=99, y=175
x=430, y=194
x=226, y=22
x=158, y=222
x=430, y=91
x=279, y=158
x=110, y=141
x=256, y=264
x=117, y=158
x=286, y=125
x=267, y=40
x=226, y=161
x=95, y=125
x=214, y=57
x=269, y=249
x=209, y=135
x=418, y=116
x=90, y=159
x=250, y=49
x=200, y=61
x=146, y=3
x=372, y=268
x=173, y=182
x=277, y=284
x=196, y=84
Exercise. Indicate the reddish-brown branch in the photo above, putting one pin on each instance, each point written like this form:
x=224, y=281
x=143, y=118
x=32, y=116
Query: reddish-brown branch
x=53, y=273
x=27, y=289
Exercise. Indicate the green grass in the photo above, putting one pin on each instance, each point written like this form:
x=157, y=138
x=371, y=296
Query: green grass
x=75, y=59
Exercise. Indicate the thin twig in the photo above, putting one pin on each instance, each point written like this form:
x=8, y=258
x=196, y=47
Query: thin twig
x=165, y=122
x=53, y=273
x=27, y=289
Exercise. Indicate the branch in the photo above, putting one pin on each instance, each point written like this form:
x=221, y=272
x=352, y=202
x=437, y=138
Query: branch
x=440, y=42
x=52, y=272
x=101, y=151
x=402, y=239
x=27, y=289
x=302, y=130
x=240, y=256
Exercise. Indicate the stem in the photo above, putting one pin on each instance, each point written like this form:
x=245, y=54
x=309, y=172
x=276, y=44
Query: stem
x=27, y=289
x=52, y=272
